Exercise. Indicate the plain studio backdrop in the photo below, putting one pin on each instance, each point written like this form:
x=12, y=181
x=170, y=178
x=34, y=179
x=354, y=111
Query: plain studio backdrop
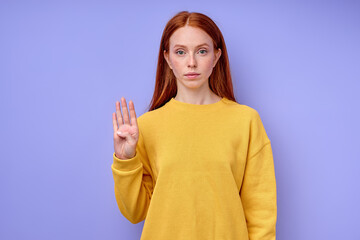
x=63, y=64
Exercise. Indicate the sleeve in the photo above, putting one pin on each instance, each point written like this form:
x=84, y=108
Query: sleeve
x=258, y=191
x=133, y=183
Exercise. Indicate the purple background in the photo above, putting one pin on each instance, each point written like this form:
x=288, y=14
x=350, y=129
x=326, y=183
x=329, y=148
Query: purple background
x=64, y=64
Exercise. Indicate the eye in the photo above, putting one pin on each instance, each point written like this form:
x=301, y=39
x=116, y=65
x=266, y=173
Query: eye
x=204, y=51
x=179, y=52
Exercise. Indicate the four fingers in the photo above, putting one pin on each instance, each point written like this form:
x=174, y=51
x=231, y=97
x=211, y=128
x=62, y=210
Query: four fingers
x=119, y=119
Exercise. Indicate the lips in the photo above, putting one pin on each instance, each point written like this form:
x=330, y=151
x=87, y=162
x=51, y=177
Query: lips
x=192, y=74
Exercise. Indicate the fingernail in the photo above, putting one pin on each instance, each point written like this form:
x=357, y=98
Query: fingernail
x=118, y=132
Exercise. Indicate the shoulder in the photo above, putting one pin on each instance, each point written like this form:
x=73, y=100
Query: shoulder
x=151, y=115
x=241, y=109
x=248, y=117
x=146, y=119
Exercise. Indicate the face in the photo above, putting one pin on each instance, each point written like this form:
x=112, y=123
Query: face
x=191, y=50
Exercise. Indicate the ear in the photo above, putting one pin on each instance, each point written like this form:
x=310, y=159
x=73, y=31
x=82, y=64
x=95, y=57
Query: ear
x=166, y=56
x=217, y=56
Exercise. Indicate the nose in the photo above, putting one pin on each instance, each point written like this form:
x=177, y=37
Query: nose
x=192, y=61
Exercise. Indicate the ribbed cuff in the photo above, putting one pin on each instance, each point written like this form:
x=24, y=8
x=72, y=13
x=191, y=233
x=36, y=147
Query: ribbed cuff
x=126, y=164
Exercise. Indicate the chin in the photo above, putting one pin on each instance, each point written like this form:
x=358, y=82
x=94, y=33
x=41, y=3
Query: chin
x=194, y=83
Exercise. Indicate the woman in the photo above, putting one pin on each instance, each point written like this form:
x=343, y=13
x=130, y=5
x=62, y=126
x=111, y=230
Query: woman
x=197, y=165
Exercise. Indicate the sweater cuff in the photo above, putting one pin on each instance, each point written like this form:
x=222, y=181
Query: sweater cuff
x=126, y=164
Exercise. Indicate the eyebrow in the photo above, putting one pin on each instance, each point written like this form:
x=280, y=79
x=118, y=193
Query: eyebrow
x=179, y=45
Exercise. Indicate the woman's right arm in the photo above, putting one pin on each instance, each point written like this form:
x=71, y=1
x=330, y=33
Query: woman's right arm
x=131, y=170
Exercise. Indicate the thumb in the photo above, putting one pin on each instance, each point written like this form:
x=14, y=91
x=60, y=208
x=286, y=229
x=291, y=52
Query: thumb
x=121, y=134
x=124, y=135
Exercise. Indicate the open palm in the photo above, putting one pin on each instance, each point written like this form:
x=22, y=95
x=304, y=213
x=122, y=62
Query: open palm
x=126, y=131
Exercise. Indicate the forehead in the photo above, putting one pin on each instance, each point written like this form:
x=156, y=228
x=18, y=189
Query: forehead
x=190, y=37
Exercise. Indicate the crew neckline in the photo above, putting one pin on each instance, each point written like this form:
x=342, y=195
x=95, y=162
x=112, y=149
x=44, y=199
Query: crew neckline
x=197, y=107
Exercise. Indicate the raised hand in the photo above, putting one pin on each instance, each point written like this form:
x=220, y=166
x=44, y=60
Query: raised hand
x=126, y=133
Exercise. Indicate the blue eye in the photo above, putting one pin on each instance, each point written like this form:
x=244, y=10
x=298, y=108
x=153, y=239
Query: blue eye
x=203, y=50
x=179, y=51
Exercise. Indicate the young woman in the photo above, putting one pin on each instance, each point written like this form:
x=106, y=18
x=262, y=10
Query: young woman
x=198, y=165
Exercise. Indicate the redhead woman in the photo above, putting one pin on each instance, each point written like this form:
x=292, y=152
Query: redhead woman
x=197, y=165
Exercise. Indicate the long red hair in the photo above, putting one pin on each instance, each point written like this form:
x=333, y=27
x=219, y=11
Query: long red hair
x=220, y=79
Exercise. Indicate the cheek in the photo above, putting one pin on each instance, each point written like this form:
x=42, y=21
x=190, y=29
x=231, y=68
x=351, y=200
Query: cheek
x=176, y=67
x=208, y=64
x=175, y=63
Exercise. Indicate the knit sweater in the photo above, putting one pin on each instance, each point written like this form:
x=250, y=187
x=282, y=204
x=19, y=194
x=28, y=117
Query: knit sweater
x=200, y=172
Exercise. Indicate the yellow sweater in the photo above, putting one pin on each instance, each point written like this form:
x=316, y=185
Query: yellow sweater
x=201, y=172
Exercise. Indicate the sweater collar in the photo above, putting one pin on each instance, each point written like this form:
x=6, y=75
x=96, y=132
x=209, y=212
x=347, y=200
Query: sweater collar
x=196, y=107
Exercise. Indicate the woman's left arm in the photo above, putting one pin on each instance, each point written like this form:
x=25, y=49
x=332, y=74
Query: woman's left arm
x=258, y=190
